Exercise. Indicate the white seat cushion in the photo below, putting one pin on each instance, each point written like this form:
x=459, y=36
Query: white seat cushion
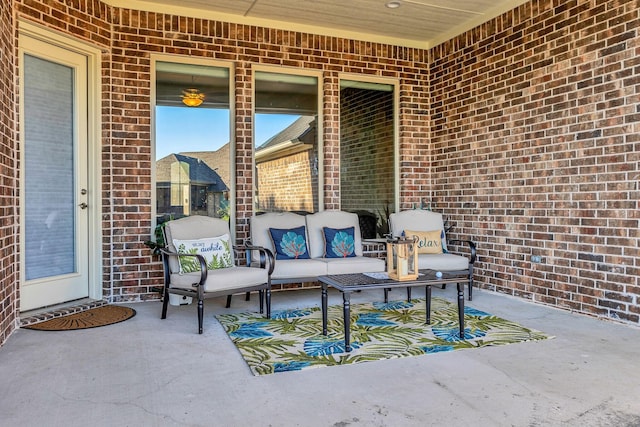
x=359, y=264
x=223, y=279
x=443, y=262
x=294, y=268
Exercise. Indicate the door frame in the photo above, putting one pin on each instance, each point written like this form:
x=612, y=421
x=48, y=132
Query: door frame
x=94, y=143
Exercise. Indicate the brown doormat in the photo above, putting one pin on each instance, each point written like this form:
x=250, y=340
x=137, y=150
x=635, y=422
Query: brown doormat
x=100, y=316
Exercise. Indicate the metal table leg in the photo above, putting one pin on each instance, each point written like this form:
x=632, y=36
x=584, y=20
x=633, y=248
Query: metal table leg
x=427, y=291
x=346, y=300
x=461, y=308
x=324, y=309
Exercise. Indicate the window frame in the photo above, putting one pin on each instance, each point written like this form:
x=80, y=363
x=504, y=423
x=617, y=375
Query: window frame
x=206, y=62
x=395, y=83
x=319, y=123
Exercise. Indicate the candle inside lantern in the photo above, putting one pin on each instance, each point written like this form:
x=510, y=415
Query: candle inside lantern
x=404, y=266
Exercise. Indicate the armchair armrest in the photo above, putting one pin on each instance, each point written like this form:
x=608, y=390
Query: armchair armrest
x=166, y=254
x=266, y=259
x=472, y=248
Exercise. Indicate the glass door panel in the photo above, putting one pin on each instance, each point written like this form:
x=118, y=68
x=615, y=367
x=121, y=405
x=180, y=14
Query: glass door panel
x=49, y=173
x=54, y=222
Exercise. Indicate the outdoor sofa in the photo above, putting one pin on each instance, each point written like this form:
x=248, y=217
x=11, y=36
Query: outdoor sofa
x=323, y=233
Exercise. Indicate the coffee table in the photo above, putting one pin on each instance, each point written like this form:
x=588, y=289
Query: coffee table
x=348, y=283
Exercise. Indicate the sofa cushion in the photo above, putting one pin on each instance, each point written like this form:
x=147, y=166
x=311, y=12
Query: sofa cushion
x=330, y=218
x=290, y=243
x=298, y=268
x=338, y=242
x=428, y=242
x=260, y=225
x=215, y=250
x=358, y=264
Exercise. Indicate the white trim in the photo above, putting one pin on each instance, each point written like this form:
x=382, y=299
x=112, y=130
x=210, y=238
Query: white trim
x=396, y=124
x=207, y=62
x=94, y=142
x=319, y=122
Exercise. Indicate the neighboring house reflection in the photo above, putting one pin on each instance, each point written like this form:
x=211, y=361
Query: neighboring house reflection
x=287, y=169
x=188, y=185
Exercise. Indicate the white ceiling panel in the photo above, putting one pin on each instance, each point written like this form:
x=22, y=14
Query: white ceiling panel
x=419, y=23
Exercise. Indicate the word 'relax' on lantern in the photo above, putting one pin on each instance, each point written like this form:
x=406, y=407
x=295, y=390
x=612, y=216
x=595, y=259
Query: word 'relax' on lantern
x=402, y=259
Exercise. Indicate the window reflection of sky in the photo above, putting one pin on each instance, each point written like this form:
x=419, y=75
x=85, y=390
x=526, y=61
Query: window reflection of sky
x=180, y=129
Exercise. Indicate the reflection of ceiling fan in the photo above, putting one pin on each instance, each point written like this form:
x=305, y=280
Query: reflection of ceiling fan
x=192, y=97
x=174, y=95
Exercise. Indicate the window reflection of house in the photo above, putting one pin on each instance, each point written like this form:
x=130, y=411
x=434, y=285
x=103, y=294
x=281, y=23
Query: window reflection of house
x=287, y=169
x=187, y=185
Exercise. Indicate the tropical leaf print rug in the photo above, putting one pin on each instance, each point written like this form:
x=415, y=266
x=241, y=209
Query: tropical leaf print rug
x=292, y=339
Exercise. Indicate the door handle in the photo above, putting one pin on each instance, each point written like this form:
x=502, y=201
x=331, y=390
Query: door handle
x=83, y=205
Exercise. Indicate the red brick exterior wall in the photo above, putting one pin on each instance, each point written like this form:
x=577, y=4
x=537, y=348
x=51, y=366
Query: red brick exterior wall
x=9, y=254
x=526, y=127
x=129, y=268
x=535, y=152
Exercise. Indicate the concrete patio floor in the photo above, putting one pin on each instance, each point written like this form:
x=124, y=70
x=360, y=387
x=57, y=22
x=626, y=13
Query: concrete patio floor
x=152, y=372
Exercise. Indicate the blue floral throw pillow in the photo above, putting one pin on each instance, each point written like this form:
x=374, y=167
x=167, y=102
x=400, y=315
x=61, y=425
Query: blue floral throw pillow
x=339, y=242
x=290, y=243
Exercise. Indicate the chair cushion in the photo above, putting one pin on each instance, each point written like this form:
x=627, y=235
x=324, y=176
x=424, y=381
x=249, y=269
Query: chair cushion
x=417, y=220
x=223, y=279
x=429, y=242
x=192, y=228
x=215, y=250
x=443, y=262
x=358, y=264
x=290, y=243
x=339, y=242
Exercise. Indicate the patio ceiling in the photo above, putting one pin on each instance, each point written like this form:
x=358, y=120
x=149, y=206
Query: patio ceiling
x=415, y=23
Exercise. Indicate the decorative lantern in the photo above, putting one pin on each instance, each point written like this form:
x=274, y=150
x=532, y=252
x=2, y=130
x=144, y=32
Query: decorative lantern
x=402, y=259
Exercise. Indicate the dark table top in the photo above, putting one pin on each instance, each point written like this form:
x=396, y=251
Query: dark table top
x=360, y=281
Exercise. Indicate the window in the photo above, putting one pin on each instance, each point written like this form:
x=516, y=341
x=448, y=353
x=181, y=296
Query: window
x=193, y=163
x=367, y=147
x=286, y=142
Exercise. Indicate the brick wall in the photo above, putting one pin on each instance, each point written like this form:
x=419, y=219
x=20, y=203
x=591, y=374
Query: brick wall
x=535, y=152
x=533, y=146
x=8, y=172
x=137, y=34
x=129, y=269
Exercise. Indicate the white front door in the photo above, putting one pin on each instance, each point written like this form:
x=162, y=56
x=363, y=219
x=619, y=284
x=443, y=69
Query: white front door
x=54, y=179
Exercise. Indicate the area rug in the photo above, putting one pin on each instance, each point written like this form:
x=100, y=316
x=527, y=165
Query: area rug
x=96, y=317
x=292, y=339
